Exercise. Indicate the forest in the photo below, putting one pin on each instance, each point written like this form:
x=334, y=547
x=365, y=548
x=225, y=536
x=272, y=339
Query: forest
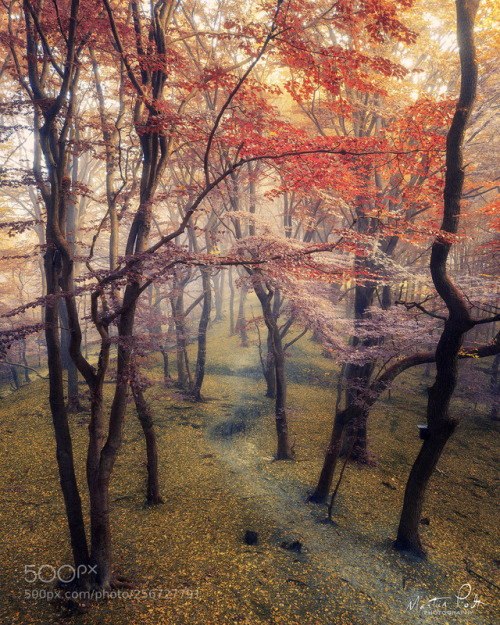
x=249, y=312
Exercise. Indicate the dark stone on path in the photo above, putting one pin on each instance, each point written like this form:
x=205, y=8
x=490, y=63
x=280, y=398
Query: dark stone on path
x=296, y=545
x=251, y=538
x=425, y=521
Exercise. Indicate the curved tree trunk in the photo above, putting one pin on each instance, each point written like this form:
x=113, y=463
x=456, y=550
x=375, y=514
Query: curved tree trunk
x=441, y=424
x=359, y=408
x=51, y=140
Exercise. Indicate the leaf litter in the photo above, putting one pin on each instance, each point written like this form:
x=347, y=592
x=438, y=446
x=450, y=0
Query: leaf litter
x=188, y=559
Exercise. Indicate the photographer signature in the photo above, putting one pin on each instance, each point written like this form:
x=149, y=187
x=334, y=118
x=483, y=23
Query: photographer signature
x=463, y=600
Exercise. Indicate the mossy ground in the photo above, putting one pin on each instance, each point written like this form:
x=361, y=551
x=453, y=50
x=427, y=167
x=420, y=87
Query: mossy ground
x=216, y=487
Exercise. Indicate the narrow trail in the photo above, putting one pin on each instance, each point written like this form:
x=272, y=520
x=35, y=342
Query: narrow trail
x=366, y=573
x=361, y=570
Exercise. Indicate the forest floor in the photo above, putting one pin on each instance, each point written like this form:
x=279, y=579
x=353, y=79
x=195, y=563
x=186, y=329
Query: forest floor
x=187, y=560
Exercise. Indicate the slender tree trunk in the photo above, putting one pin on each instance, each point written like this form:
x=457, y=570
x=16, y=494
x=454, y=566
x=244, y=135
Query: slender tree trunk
x=166, y=375
x=284, y=451
x=15, y=377
x=143, y=409
x=68, y=363
x=177, y=302
x=241, y=321
x=330, y=461
x=269, y=369
x=202, y=334
x=218, y=295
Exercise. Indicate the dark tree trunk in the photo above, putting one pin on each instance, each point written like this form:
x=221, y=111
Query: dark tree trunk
x=166, y=375
x=67, y=362
x=357, y=379
x=359, y=409
x=284, y=451
x=145, y=416
x=441, y=424
x=355, y=442
x=64, y=447
x=202, y=334
x=408, y=532
x=330, y=462
x=269, y=369
x=51, y=141
x=15, y=377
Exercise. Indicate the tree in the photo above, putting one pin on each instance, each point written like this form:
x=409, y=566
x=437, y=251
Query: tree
x=441, y=424
x=188, y=120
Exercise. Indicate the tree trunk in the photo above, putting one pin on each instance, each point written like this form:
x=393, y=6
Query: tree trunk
x=355, y=441
x=241, y=321
x=408, y=535
x=202, y=334
x=166, y=375
x=68, y=363
x=177, y=303
x=269, y=369
x=64, y=447
x=25, y=361
x=218, y=294
x=440, y=424
x=358, y=377
x=153, y=496
x=284, y=451
x=330, y=462
x=359, y=408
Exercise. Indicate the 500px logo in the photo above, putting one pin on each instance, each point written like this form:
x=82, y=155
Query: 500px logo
x=47, y=573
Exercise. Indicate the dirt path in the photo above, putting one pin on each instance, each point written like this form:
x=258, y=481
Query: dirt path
x=367, y=577
x=357, y=570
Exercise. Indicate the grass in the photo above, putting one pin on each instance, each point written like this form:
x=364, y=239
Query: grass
x=192, y=548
